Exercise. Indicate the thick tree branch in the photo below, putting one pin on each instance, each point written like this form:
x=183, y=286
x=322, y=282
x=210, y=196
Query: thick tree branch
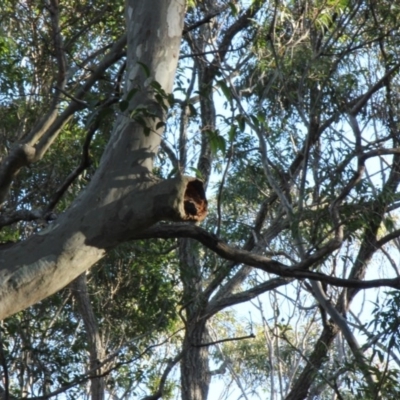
x=44, y=263
x=355, y=106
x=216, y=305
x=264, y=263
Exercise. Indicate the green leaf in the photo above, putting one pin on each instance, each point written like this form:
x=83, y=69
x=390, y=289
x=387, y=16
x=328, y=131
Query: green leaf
x=145, y=69
x=221, y=144
x=172, y=173
x=233, y=8
x=171, y=99
x=123, y=105
x=157, y=87
x=217, y=142
x=225, y=89
x=255, y=120
x=197, y=172
x=232, y=132
x=140, y=120
x=161, y=101
x=241, y=122
x=131, y=93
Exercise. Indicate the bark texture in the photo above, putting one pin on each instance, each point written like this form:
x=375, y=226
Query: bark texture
x=195, y=374
x=123, y=197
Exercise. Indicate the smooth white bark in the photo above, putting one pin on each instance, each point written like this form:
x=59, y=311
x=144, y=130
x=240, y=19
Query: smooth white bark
x=124, y=196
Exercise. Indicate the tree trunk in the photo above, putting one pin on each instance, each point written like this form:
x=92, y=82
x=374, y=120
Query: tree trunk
x=123, y=197
x=195, y=374
x=96, y=348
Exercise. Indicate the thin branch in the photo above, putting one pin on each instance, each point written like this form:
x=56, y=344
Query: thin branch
x=340, y=321
x=81, y=32
x=170, y=153
x=312, y=366
x=203, y=21
x=251, y=336
x=219, y=303
x=80, y=292
x=205, y=53
x=84, y=164
x=241, y=275
x=357, y=104
x=243, y=21
x=115, y=54
x=221, y=188
x=171, y=364
x=71, y=97
x=46, y=130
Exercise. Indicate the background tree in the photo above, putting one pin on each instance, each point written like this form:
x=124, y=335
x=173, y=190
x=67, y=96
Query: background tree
x=286, y=113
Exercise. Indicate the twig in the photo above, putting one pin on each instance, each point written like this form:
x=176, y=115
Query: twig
x=85, y=158
x=66, y=94
x=85, y=163
x=251, y=336
x=203, y=21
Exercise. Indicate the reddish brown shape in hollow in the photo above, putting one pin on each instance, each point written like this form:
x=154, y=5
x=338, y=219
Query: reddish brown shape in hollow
x=195, y=201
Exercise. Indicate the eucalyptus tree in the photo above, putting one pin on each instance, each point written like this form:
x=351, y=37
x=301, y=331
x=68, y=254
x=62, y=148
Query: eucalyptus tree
x=287, y=115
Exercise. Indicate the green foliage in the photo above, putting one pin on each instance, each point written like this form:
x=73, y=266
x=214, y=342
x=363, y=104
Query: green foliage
x=137, y=285
x=34, y=334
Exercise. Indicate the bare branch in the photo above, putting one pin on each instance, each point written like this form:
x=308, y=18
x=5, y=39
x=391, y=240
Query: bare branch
x=201, y=22
x=219, y=304
x=252, y=336
x=171, y=364
x=264, y=263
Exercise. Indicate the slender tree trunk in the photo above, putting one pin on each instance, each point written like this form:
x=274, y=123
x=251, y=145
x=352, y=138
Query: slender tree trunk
x=195, y=374
x=96, y=348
